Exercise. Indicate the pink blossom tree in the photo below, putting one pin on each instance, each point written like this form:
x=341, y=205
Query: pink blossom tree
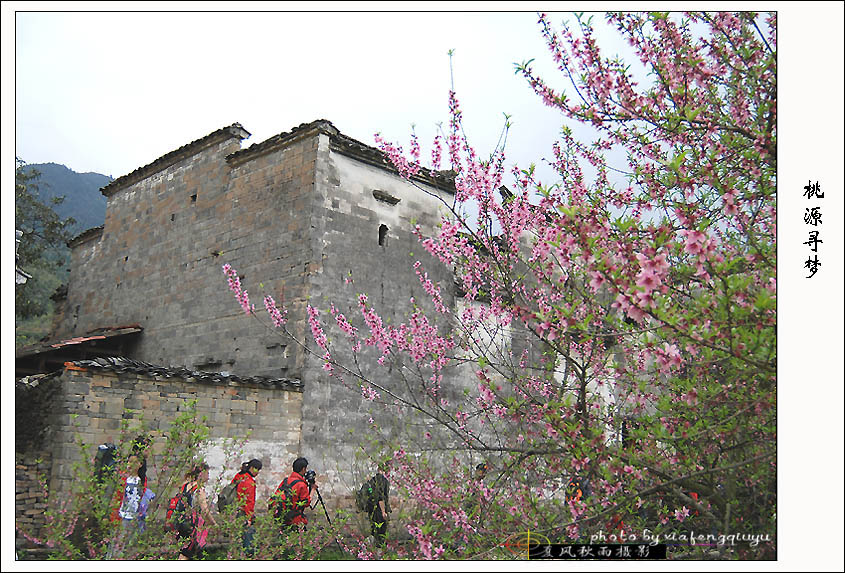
x=618, y=329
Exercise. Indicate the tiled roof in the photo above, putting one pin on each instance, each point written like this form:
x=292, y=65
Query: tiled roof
x=222, y=134
x=98, y=334
x=341, y=143
x=120, y=364
x=281, y=140
x=344, y=144
x=85, y=235
x=29, y=382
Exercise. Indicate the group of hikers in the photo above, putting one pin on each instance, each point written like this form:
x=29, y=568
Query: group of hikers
x=189, y=513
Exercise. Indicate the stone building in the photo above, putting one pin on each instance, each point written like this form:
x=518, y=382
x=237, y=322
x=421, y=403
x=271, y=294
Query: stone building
x=146, y=323
x=307, y=216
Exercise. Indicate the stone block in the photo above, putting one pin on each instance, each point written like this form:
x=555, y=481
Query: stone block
x=77, y=385
x=168, y=407
x=151, y=405
x=113, y=406
x=133, y=404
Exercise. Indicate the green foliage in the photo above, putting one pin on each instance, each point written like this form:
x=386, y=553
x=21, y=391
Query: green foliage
x=31, y=330
x=80, y=519
x=52, y=203
x=42, y=252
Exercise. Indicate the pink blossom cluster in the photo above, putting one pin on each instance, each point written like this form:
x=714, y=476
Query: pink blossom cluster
x=432, y=289
x=279, y=317
x=426, y=543
x=235, y=287
x=317, y=328
x=346, y=327
x=380, y=336
x=668, y=357
x=396, y=155
x=369, y=393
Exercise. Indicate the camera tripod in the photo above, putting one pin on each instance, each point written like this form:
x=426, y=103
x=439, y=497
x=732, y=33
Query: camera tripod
x=326, y=511
x=321, y=502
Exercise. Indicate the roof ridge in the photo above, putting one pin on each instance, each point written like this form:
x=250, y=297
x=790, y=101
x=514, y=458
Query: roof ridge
x=168, y=159
x=280, y=139
x=442, y=179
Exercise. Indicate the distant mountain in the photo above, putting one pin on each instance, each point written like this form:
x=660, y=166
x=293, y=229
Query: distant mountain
x=83, y=200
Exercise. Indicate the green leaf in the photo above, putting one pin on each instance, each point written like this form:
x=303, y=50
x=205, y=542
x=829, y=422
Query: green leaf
x=569, y=212
x=691, y=114
x=764, y=300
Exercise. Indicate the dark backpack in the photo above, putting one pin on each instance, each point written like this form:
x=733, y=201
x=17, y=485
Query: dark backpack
x=365, y=498
x=577, y=488
x=105, y=461
x=105, y=469
x=284, y=503
x=226, y=496
x=180, y=513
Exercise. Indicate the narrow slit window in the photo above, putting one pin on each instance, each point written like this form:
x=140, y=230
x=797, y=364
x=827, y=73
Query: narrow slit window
x=382, y=236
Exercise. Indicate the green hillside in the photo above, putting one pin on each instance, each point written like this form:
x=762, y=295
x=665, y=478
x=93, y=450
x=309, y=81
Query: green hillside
x=83, y=200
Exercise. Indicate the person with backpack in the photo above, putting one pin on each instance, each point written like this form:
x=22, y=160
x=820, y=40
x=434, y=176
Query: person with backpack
x=105, y=462
x=129, y=506
x=192, y=512
x=577, y=488
x=475, y=498
x=481, y=471
x=375, y=493
x=137, y=465
x=292, y=497
x=245, y=492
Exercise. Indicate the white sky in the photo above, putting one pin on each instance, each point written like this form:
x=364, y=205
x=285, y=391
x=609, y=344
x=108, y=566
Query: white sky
x=110, y=92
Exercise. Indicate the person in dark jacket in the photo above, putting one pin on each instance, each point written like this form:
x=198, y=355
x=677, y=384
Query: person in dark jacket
x=379, y=506
x=245, y=479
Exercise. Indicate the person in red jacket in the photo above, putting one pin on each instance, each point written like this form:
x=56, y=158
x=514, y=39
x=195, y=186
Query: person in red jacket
x=295, y=518
x=245, y=479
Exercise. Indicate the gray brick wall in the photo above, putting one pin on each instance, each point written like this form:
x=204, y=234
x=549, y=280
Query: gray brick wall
x=230, y=412
x=158, y=262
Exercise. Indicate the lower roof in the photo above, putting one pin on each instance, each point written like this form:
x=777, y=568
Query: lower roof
x=120, y=364
x=51, y=355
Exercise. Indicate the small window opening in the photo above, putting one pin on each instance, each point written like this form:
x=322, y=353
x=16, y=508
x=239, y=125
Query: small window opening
x=173, y=216
x=382, y=236
x=194, y=198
